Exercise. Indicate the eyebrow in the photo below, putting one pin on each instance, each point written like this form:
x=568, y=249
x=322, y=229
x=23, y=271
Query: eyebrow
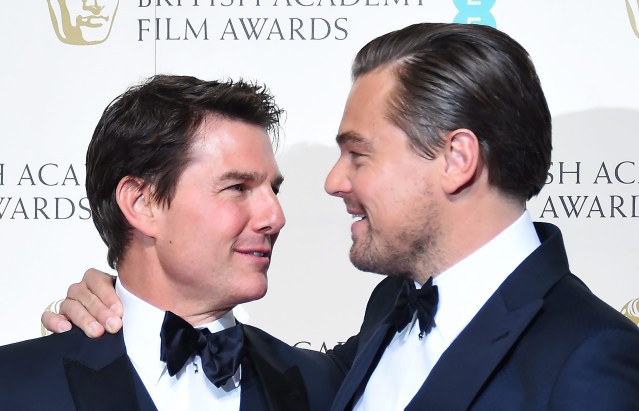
x=235, y=175
x=353, y=138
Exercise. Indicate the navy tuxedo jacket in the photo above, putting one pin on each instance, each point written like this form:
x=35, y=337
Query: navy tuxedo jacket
x=543, y=341
x=69, y=371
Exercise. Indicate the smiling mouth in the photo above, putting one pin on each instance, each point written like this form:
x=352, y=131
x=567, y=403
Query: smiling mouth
x=358, y=216
x=258, y=254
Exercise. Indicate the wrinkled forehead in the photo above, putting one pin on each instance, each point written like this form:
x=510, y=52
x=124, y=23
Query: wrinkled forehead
x=235, y=144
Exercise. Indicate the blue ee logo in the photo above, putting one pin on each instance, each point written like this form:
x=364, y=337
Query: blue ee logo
x=475, y=12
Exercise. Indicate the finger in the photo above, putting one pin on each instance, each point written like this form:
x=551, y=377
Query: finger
x=101, y=284
x=53, y=323
x=75, y=312
x=88, y=309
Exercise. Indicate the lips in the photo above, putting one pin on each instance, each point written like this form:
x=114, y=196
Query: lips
x=259, y=254
x=357, y=214
x=256, y=253
x=261, y=250
x=358, y=217
x=360, y=221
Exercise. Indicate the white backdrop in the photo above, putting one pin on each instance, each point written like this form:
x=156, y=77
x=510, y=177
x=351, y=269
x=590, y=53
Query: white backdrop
x=53, y=92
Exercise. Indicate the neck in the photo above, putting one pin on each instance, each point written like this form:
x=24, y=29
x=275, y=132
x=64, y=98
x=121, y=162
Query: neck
x=468, y=225
x=142, y=275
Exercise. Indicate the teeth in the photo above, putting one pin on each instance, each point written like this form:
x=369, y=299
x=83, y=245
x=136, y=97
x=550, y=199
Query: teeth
x=258, y=254
x=359, y=216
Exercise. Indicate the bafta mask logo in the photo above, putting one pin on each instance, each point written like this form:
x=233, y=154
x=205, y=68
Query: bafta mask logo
x=82, y=22
x=632, y=16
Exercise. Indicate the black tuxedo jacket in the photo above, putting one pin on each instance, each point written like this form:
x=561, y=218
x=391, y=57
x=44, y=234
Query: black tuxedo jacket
x=543, y=341
x=69, y=371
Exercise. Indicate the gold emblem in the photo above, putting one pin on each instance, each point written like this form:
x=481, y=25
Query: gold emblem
x=82, y=22
x=631, y=310
x=631, y=16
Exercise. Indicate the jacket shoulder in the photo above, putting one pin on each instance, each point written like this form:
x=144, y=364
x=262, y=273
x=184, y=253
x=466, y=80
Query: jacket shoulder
x=316, y=371
x=32, y=372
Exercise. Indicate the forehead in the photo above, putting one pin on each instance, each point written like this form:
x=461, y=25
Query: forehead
x=366, y=112
x=370, y=91
x=232, y=144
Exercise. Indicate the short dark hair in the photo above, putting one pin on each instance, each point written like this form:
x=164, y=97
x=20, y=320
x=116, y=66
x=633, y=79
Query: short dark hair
x=147, y=133
x=452, y=76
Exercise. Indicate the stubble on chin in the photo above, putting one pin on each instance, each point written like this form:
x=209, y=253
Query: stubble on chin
x=409, y=254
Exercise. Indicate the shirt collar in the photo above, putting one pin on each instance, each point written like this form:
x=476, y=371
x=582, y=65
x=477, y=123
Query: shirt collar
x=141, y=326
x=465, y=287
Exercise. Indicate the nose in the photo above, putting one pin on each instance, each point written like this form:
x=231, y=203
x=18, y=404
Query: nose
x=270, y=218
x=337, y=183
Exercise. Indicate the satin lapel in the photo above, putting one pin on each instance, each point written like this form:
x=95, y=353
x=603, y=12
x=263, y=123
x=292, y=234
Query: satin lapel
x=101, y=377
x=363, y=364
x=467, y=364
x=469, y=361
x=282, y=385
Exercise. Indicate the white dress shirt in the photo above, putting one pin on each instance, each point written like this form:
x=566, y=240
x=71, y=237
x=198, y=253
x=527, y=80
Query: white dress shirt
x=463, y=289
x=189, y=389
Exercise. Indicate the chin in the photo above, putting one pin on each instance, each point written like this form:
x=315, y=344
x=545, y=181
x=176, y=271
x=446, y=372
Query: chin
x=255, y=291
x=261, y=292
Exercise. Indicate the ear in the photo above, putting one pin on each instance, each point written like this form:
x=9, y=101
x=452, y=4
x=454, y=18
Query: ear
x=462, y=158
x=134, y=198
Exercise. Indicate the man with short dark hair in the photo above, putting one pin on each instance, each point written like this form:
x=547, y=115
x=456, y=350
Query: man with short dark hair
x=445, y=136
x=182, y=183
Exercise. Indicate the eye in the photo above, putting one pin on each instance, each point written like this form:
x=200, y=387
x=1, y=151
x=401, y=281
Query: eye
x=237, y=187
x=357, y=158
x=356, y=155
x=276, y=190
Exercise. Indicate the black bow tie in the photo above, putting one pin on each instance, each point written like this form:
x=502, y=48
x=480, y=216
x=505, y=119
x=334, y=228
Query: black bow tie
x=422, y=301
x=221, y=352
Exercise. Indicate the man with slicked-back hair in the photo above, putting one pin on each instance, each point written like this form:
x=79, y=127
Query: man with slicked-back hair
x=445, y=136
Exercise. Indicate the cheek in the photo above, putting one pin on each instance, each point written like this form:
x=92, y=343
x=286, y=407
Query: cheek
x=367, y=185
x=393, y=207
x=183, y=222
x=221, y=226
x=375, y=190
x=209, y=222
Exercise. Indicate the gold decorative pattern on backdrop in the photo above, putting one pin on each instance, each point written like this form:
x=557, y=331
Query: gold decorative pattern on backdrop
x=82, y=22
x=631, y=310
x=632, y=17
